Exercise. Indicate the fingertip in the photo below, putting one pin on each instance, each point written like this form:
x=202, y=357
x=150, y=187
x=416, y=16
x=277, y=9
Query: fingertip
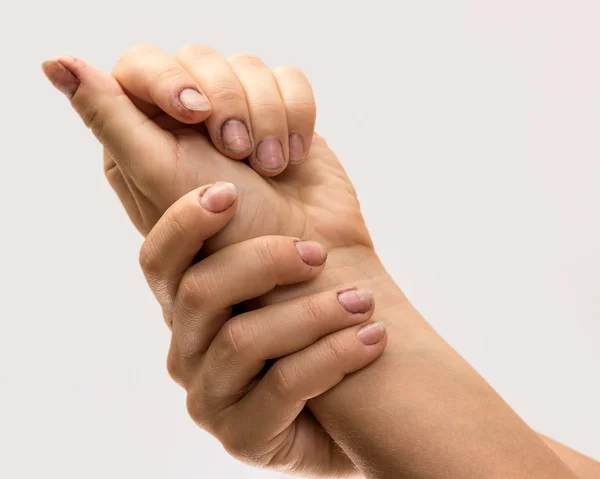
x=372, y=333
x=311, y=252
x=218, y=197
x=191, y=105
x=356, y=301
x=296, y=145
x=61, y=77
x=268, y=159
x=236, y=139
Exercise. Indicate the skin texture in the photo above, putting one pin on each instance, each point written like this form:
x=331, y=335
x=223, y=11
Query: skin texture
x=311, y=342
x=427, y=414
x=583, y=466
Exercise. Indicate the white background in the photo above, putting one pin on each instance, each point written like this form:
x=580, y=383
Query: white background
x=471, y=129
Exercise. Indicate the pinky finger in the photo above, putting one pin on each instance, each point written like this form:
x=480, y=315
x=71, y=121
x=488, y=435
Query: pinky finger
x=301, y=111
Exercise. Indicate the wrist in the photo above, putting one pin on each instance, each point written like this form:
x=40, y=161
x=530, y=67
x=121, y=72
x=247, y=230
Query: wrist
x=420, y=399
x=358, y=266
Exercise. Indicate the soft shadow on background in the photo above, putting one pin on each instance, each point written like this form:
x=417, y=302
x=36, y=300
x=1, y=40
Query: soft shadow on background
x=471, y=132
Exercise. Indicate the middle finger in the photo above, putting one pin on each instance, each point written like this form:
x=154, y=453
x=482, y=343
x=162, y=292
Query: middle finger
x=267, y=114
x=229, y=123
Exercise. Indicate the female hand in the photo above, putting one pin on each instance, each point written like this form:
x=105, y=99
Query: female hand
x=310, y=342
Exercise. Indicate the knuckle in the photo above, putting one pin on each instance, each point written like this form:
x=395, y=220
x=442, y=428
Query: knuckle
x=334, y=348
x=193, y=50
x=288, y=71
x=165, y=74
x=236, y=338
x=178, y=224
x=94, y=117
x=227, y=94
x=168, y=316
x=314, y=308
x=191, y=293
x=246, y=59
x=270, y=251
x=174, y=368
x=265, y=110
x=195, y=408
x=245, y=450
x=147, y=258
x=282, y=379
x=128, y=60
x=301, y=109
x=240, y=448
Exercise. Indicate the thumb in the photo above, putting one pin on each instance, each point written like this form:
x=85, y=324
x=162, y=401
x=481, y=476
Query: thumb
x=136, y=143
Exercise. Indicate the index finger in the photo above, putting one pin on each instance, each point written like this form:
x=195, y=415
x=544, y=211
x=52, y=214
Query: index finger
x=149, y=74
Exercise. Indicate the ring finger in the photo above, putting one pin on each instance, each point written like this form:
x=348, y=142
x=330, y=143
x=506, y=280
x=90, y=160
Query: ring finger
x=301, y=111
x=247, y=341
x=230, y=276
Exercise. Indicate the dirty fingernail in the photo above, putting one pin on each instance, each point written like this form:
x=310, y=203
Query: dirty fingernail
x=62, y=79
x=218, y=197
x=371, y=333
x=194, y=100
x=296, y=148
x=235, y=136
x=269, y=154
x=311, y=252
x=356, y=300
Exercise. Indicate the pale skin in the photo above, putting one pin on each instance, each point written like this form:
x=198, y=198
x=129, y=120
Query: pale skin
x=428, y=414
x=258, y=415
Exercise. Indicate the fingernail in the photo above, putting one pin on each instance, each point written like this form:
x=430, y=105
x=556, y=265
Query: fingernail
x=296, y=148
x=194, y=100
x=371, y=333
x=269, y=154
x=235, y=136
x=356, y=300
x=311, y=252
x=62, y=79
x=218, y=197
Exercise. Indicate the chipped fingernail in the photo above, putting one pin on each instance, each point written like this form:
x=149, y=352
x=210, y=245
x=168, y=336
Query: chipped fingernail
x=356, y=300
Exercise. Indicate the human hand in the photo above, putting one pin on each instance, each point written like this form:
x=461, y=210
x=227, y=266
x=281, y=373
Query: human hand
x=313, y=342
x=150, y=163
x=156, y=150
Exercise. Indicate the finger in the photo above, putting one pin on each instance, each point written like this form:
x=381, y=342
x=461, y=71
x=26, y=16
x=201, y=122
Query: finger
x=179, y=234
x=300, y=107
x=267, y=114
x=229, y=122
x=246, y=342
x=235, y=274
x=304, y=437
x=153, y=77
x=107, y=111
x=279, y=397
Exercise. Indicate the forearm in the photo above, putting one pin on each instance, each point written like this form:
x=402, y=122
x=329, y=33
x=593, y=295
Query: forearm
x=421, y=410
x=583, y=466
